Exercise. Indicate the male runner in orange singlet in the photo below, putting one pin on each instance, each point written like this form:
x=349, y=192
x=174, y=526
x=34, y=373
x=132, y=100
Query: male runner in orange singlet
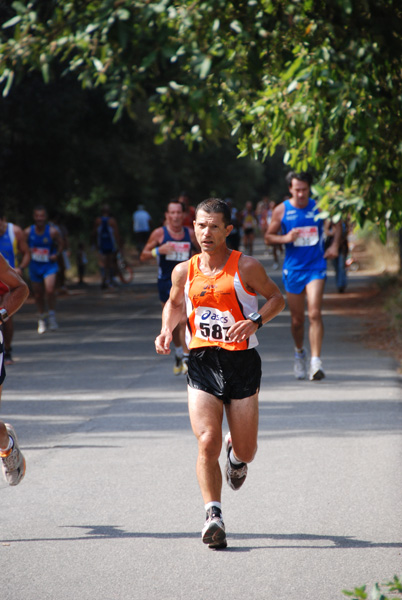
x=220, y=287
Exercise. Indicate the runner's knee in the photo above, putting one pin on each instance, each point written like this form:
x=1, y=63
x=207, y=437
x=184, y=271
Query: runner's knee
x=245, y=453
x=209, y=445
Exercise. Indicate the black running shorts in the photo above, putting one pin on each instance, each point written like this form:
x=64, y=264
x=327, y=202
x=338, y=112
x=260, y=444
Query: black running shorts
x=226, y=374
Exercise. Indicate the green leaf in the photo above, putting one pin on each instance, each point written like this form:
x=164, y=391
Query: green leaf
x=11, y=22
x=236, y=26
x=205, y=67
x=9, y=83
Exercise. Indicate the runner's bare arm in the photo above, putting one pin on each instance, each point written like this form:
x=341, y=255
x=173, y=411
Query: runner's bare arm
x=56, y=237
x=23, y=249
x=19, y=290
x=155, y=241
x=272, y=237
x=173, y=309
x=256, y=280
x=333, y=250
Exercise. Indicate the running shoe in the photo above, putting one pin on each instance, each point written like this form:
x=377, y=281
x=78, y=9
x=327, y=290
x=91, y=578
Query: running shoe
x=42, y=327
x=316, y=371
x=53, y=323
x=13, y=461
x=8, y=358
x=299, y=367
x=184, y=364
x=213, y=532
x=177, y=365
x=235, y=475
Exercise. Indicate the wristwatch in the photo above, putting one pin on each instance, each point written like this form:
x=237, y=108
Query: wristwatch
x=256, y=318
x=3, y=315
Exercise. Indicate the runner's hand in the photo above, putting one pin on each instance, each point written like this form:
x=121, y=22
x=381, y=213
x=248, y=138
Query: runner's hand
x=162, y=343
x=241, y=331
x=332, y=251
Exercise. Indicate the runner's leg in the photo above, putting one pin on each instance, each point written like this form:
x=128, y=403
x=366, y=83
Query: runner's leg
x=242, y=416
x=50, y=286
x=315, y=292
x=206, y=413
x=296, y=307
x=39, y=295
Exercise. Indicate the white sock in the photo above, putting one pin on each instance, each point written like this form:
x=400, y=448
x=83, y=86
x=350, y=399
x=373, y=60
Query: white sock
x=235, y=462
x=10, y=445
x=301, y=351
x=213, y=503
x=315, y=360
x=179, y=351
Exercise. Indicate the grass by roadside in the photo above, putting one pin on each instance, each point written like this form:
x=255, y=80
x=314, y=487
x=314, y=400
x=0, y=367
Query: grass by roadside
x=386, y=332
x=379, y=305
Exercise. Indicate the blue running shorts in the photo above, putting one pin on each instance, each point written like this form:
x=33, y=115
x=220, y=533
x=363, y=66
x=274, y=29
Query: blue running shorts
x=226, y=374
x=295, y=281
x=164, y=286
x=38, y=271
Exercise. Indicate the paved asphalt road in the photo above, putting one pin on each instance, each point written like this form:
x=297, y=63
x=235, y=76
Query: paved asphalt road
x=110, y=508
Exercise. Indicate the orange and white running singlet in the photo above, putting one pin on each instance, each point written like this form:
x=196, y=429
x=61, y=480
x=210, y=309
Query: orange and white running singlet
x=215, y=303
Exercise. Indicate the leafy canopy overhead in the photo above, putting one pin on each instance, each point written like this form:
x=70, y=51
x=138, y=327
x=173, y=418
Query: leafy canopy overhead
x=320, y=79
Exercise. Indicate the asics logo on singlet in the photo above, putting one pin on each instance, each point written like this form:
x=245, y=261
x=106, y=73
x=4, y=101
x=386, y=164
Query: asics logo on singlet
x=208, y=314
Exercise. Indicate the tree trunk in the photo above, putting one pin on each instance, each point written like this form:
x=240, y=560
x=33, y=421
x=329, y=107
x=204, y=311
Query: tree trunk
x=400, y=250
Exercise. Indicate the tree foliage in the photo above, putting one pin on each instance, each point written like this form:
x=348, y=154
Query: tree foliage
x=321, y=80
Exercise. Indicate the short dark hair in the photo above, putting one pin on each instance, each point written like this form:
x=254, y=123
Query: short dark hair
x=174, y=201
x=302, y=176
x=40, y=207
x=215, y=205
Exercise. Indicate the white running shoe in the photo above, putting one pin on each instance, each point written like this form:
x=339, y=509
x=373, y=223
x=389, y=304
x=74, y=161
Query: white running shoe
x=177, y=365
x=299, y=367
x=213, y=532
x=13, y=461
x=235, y=475
x=184, y=364
x=53, y=323
x=42, y=327
x=316, y=370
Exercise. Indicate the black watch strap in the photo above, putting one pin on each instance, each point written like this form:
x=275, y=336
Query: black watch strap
x=256, y=318
x=3, y=315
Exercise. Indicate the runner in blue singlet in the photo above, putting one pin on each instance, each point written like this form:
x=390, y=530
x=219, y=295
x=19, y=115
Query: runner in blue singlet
x=106, y=235
x=12, y=247
x=45, y=245
x=170, y=245
x=304, y=268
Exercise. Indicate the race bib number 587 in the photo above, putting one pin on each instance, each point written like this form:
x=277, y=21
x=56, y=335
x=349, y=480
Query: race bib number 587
x=212, y=324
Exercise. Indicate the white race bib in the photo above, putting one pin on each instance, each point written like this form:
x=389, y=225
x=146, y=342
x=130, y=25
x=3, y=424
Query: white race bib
x=181, y=251
x=212, y=324
x=40, y=254
x=308, y=236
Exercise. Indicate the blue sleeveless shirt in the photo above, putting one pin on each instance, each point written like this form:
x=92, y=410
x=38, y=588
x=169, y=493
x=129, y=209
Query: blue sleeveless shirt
x=182, y=252
x=8, y=245
x=42, y=246
x=307, y=251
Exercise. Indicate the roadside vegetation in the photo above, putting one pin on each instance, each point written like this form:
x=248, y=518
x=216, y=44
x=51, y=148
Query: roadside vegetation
x=392, y=590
